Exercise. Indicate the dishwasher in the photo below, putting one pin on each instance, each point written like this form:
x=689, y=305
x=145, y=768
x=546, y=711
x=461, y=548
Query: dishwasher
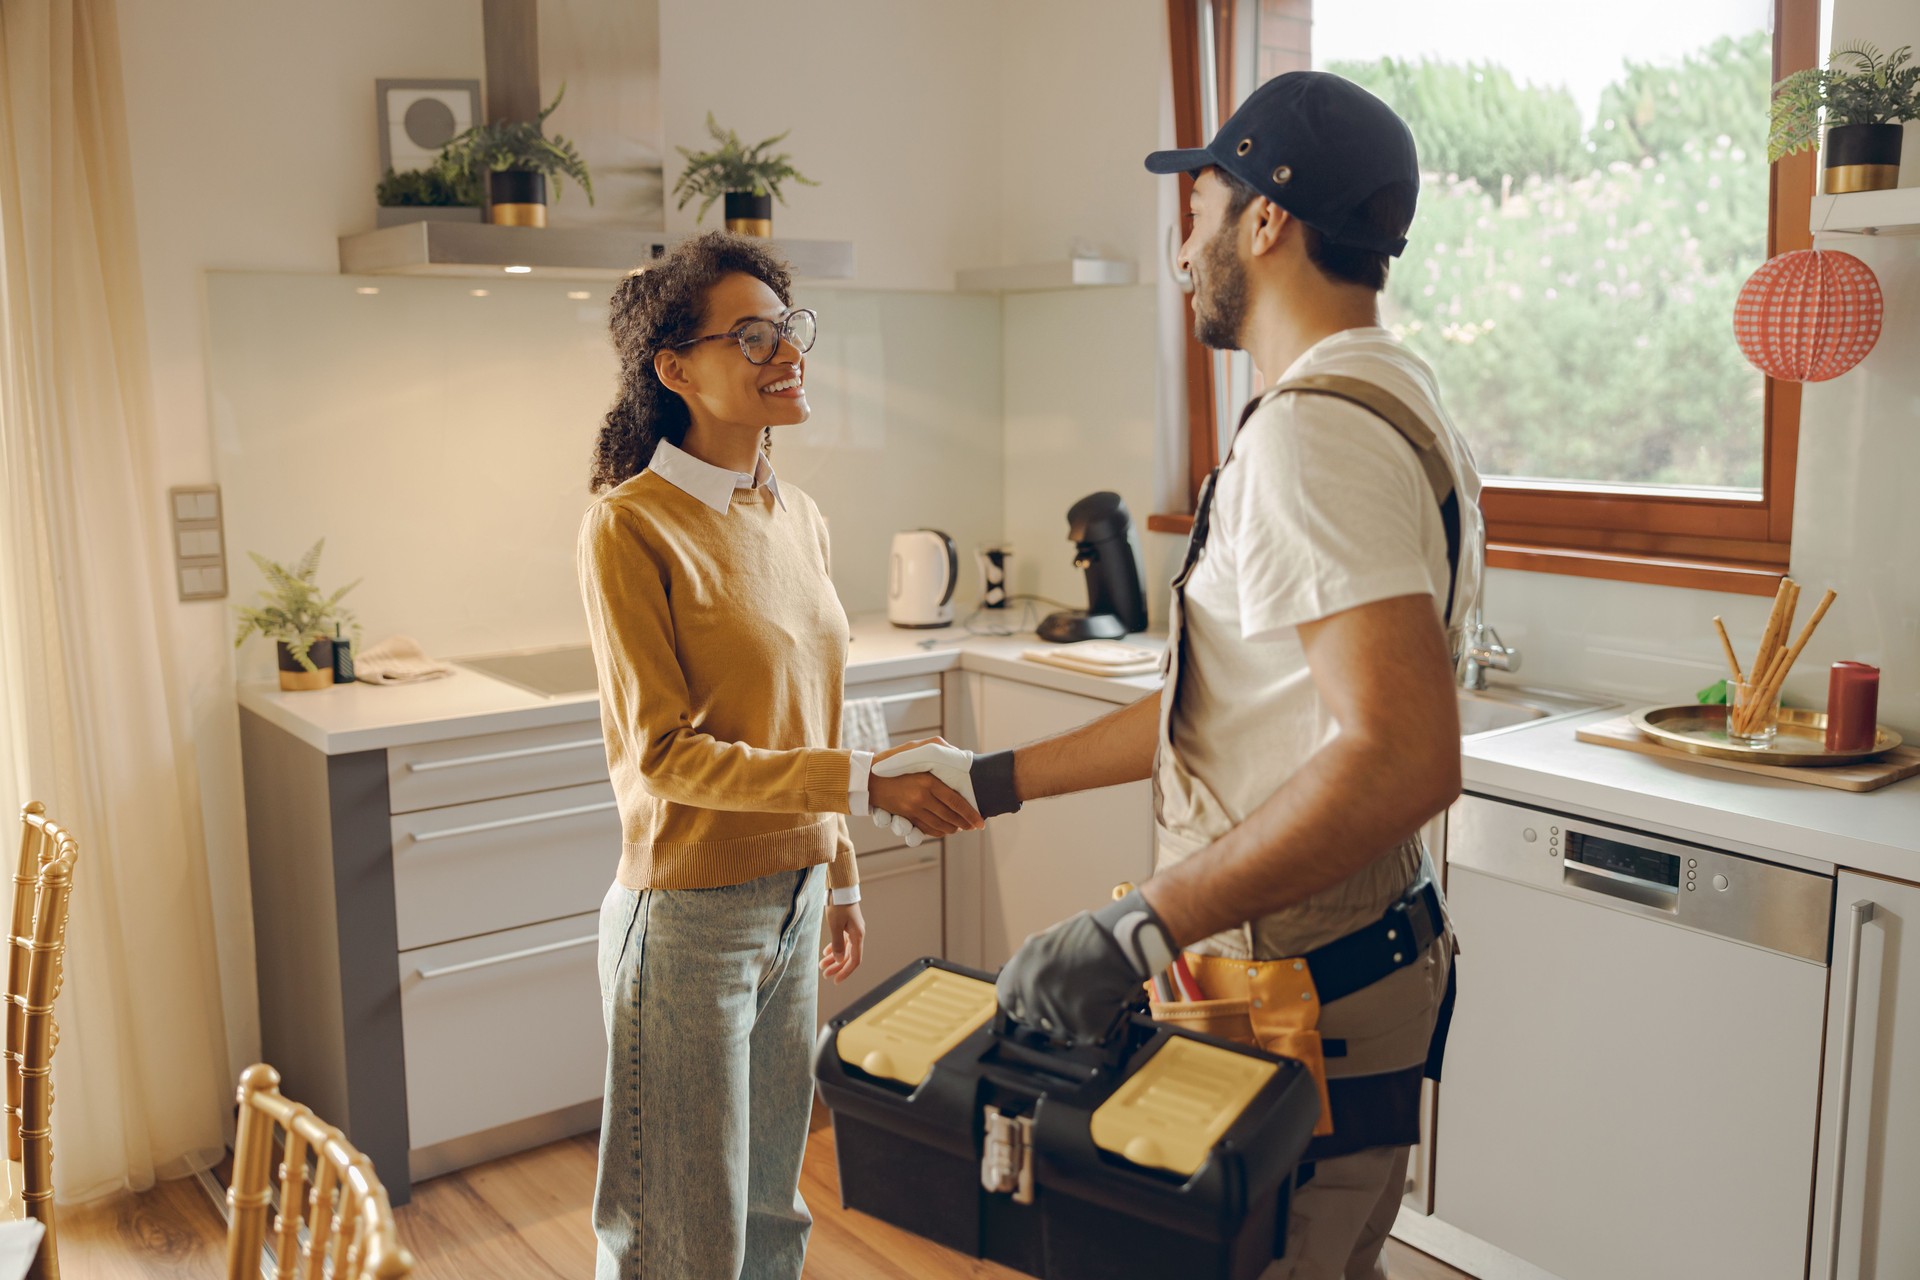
x=1633, y=1080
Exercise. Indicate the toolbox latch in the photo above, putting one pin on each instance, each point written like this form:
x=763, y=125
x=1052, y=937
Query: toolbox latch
x=1007, y=1162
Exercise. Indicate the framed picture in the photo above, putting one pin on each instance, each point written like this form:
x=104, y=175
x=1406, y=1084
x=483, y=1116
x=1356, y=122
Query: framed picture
x=418, y=117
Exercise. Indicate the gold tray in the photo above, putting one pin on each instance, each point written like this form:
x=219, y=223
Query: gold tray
x=1801, y=740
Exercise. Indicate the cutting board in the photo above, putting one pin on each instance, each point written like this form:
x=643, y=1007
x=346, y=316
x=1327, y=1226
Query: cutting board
x=1901, y=762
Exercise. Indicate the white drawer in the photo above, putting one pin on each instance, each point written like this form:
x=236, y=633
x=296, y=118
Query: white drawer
x=478, y=868
x=901, y=900
x=493, y=765
x=912, y=704
x=501, y=1028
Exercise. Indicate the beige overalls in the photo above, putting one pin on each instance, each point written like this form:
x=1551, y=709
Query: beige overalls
x=1370, y=1049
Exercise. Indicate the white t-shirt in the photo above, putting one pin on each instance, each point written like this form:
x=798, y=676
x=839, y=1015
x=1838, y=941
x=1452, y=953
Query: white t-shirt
x=1323, y=508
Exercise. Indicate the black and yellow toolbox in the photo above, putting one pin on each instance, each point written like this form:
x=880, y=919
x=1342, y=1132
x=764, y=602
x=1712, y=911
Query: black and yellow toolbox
x=1160, y=1153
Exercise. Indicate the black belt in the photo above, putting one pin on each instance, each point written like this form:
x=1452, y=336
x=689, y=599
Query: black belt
x=1370, y=953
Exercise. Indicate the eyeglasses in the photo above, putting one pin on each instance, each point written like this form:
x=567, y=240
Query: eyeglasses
x=760, y=339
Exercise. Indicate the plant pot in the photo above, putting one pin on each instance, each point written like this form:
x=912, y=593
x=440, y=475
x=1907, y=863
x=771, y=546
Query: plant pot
x=1862, y=157
x=749, y=214
x=517, y=198
x=294, y=676
x=395, y=215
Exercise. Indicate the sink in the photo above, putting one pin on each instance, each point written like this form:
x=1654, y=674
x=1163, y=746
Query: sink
x=1501, y=707
x=549, y=673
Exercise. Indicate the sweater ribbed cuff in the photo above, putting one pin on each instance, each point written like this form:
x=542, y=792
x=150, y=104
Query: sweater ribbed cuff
x=826, y=779
x=993, y=792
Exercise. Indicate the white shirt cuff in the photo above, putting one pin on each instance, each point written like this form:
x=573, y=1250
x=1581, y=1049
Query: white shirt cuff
x=857, y=778
x=844, y=897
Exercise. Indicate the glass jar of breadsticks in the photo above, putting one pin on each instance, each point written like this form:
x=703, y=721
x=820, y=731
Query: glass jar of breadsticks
x=1753, y=695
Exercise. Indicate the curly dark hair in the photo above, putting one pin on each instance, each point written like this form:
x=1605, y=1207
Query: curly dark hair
x=653, y=309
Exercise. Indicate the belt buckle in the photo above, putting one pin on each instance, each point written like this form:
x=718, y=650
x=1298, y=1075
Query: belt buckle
x=1416, y=920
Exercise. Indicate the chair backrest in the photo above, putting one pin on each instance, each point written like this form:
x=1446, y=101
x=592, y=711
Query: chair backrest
x=332, y=1219
x=36, y=950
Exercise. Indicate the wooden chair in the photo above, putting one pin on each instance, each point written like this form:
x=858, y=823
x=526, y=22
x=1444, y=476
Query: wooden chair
x=36, y=950
x=347, y=1231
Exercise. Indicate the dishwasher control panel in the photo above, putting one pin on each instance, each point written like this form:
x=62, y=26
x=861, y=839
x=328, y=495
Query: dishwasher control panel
x=1729, y=895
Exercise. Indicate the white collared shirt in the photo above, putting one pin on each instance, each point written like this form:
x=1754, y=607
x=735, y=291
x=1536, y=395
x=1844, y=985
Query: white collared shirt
x=715, y=486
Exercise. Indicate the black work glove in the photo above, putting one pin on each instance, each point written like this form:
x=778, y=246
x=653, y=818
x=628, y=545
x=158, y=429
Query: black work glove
x=1075, y=980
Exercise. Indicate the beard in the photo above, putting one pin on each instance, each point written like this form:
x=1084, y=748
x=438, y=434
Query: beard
x=1220, y=292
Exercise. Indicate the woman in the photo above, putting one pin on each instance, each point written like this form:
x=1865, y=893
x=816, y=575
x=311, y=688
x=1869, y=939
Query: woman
x=721, y=650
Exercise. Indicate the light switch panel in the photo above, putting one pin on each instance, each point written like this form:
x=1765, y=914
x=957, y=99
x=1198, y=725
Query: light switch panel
x=199, y=545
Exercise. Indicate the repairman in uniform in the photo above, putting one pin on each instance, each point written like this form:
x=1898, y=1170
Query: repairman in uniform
x=1308, y=726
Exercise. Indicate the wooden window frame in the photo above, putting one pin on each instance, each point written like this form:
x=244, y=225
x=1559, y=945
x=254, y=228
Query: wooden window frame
x=1664, y=536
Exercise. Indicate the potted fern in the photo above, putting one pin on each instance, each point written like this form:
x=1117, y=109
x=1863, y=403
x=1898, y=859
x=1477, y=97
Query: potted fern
x=516, y=158
x=748, y=178
x=1863, y=98
x=427, y=195
x=298, y=619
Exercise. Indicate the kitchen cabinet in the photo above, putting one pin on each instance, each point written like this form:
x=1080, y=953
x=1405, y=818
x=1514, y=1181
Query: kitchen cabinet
x=424, y=912
x=1056, y=856
x=1873, y=1159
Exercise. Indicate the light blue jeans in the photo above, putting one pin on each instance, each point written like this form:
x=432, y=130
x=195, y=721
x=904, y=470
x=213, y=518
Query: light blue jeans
x=709, y=997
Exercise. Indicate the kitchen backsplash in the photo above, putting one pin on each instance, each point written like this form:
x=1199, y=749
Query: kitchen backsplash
x=440, y=440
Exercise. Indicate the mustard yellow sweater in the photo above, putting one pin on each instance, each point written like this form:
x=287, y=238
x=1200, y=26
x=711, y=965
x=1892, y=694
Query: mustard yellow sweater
x=722, y=650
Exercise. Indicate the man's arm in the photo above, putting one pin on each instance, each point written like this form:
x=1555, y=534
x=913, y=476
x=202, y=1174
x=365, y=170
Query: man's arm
x=1116, y=748
x=1383, y=672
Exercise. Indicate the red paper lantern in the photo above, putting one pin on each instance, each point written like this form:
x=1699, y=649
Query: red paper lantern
x=1809, y=315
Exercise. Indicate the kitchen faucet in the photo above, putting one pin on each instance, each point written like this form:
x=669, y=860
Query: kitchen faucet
x=1484, y=649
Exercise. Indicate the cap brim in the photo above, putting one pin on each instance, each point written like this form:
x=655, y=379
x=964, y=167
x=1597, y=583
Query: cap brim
x=1185, y=160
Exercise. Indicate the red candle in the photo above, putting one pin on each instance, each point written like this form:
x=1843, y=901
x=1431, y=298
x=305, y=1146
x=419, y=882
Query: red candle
x=1853, y=706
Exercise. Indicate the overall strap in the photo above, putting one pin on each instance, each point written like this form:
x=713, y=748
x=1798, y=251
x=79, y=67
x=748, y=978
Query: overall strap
x=1396, y=413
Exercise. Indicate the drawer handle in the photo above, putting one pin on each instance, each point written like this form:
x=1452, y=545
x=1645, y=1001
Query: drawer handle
x=518, y=753
x=895, y=699
x=1861, y=912
x=891, y=872
x=422, y=837
x=508, y=958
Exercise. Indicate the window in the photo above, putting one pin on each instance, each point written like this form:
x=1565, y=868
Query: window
x=1595, y=192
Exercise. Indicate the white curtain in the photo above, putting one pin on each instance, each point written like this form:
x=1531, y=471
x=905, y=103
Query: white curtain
x=92, y=717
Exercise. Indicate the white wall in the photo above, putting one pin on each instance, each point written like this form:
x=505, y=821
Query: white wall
x=440, y=441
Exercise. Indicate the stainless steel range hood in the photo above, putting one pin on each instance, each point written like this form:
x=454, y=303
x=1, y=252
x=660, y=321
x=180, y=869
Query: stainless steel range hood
x=481, y=249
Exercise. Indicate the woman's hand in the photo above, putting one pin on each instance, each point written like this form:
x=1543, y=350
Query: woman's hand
x=844, y=930
x=929, y=804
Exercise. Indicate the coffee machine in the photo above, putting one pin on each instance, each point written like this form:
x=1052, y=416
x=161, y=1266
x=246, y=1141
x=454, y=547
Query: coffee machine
x=1100, y=529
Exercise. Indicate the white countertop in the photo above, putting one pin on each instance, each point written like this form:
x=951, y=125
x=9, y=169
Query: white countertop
x=1818, y=828
x=364, y=717
x=1813, y=827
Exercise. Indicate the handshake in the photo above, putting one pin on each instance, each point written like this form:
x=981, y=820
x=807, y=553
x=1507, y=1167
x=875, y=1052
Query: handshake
x=927, y=789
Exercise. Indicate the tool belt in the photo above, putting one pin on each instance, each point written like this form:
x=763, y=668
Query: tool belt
x=1275, y=1004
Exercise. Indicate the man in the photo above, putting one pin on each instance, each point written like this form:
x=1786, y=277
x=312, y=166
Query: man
x=1308, y=725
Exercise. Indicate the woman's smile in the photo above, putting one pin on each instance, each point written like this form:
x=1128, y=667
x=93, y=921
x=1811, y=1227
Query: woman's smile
x=788, y=386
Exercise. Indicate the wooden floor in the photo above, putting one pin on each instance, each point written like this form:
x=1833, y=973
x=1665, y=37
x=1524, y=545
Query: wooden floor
x=525, y=1218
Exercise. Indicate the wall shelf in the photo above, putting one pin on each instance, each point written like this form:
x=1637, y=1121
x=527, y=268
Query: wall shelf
x=1868, y=213
x=1066, y=273
x=562, y=253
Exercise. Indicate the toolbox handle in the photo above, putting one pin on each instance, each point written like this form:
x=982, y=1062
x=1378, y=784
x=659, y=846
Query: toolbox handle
x=1030, y=1047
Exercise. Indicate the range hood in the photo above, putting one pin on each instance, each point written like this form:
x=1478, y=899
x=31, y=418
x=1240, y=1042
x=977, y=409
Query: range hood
x=481, y=249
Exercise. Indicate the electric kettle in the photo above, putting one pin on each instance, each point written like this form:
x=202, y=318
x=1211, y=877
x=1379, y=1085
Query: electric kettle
x=921, y=578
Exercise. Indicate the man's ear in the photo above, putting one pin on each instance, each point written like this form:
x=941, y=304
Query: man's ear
x=672, y=372
x=1271, y=226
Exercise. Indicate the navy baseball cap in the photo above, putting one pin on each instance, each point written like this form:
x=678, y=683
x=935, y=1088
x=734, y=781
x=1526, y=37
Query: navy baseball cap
x=1317, y=145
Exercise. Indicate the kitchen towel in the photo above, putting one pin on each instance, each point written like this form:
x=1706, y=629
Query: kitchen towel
x=398, y=660
x=863, y=725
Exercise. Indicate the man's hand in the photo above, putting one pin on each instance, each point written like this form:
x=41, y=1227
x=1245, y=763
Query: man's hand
x=947, y=763
x=922, y=801
x=1074, y=981
x=844, y=930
